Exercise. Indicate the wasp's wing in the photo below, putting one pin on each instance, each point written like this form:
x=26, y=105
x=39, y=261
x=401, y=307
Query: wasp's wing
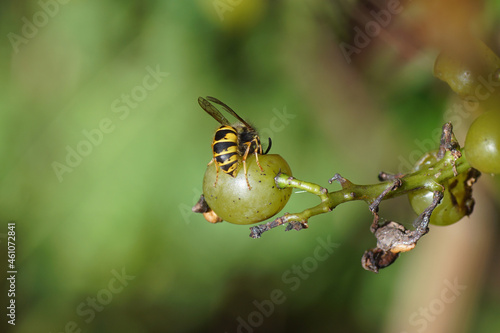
x=211, y=110
x=229, y=110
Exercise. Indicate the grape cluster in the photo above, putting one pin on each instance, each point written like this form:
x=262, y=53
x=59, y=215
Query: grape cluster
x=473, y=74
x=457, y=201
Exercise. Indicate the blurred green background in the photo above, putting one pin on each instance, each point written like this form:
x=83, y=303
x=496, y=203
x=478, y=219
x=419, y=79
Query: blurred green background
x=106, y=241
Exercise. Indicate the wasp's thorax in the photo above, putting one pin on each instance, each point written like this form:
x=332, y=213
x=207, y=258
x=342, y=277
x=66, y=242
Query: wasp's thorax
x=247, y=136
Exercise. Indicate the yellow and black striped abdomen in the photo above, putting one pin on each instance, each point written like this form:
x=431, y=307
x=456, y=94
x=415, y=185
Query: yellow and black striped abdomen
x=225, y=149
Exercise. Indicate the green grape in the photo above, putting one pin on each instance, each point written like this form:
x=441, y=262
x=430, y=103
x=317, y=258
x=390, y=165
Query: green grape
x=467, y=70
x=482, y=144
x=234, y=202
x=456, y=203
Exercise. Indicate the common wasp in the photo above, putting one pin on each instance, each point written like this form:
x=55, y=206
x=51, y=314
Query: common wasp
x=232, y=143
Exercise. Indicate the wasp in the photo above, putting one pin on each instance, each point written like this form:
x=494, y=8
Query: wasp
x=232, y=143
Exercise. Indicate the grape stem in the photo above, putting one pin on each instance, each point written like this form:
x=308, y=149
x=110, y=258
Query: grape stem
x=452, y=162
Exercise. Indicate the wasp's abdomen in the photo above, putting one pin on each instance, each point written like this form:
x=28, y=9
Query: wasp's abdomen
x=225, y=149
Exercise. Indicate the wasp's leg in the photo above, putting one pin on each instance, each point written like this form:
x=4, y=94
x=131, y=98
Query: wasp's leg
x=247, y=151
x=245, y=163
x=216, y=171
x=259, y=147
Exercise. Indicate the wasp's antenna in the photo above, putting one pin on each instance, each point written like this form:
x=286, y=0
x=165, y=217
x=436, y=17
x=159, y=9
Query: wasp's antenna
x=269, y=146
